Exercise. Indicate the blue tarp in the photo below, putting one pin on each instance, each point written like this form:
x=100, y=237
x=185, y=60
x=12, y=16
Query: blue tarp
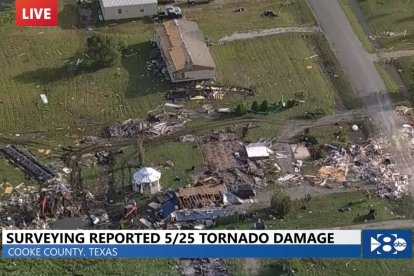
x=193, y=215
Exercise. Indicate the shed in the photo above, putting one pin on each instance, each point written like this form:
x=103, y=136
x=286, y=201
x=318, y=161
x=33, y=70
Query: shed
x=184, y=51
x=146, y=181
x=125, y=9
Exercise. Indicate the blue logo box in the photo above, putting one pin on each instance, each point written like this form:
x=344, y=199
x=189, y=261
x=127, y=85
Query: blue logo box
x=387, y=244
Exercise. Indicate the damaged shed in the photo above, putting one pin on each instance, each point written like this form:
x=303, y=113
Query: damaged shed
x=184, y=51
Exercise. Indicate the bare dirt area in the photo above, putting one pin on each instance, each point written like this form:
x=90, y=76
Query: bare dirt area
x=218, y=150
x=388, y=56
x=267, y=32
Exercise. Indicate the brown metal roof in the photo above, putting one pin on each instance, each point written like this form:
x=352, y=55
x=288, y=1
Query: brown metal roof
x=183, y=45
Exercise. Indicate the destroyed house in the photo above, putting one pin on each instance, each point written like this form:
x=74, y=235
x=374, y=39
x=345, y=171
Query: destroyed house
x=184, y=51
x=200, y=196
x=27, y=163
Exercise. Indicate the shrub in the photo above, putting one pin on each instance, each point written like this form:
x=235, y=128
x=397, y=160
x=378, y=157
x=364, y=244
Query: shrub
x=264, y=106
x=241, y=109
x=255, y=106
x=280, y=204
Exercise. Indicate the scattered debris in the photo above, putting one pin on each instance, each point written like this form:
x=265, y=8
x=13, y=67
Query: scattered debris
x=208, y=266
x=187, y=138
x=368, y=162
x=44, y=99
x=404, y=110
x=268, y=13
x=201, y=196
x=206, y=90
x=300, y=151
x=160, y=124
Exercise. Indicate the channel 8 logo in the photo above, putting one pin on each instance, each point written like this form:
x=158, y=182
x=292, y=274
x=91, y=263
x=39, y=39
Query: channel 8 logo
x=387, y=243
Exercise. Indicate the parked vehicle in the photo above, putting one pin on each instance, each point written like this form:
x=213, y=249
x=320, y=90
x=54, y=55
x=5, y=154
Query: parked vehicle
x=166, y=1
x=193, y=2
x=171, y=12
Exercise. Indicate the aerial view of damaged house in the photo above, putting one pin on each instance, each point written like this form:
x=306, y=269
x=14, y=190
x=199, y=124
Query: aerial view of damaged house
x=184, y=50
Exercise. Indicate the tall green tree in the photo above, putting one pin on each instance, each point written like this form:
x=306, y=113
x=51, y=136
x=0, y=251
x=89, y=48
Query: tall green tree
x=103, y=50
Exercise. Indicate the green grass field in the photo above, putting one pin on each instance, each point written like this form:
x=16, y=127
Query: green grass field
x=36, y=60
x=406, y=65
x=219, y=19
x=317, y=267
x=89, y=266
x=322, y=213
x=395, y=16
x=356, y=26
x=275, y=66
x=392, y=86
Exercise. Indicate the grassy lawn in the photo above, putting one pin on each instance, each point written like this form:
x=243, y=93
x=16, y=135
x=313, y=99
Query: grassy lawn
x=392, y=86
x=406, y=65
x=275, y=67
x=334, y=72
x=36, y=60
x=183, y=155
x=11, y=174
x=391, y=16
x=89, y=266
x=356, y=26
x=219, y=19
x=322, y=212
x=338, y=267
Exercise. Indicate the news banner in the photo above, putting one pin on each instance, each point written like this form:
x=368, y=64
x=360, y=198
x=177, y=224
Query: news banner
x=203, y=244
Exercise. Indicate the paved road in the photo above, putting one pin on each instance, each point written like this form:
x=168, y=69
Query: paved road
x=364, y=79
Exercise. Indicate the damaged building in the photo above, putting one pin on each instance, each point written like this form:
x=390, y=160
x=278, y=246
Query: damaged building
x=184, y=51
x=200, y=196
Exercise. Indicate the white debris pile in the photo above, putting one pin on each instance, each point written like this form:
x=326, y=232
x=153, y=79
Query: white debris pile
x=291, y=180
x=368, y=162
